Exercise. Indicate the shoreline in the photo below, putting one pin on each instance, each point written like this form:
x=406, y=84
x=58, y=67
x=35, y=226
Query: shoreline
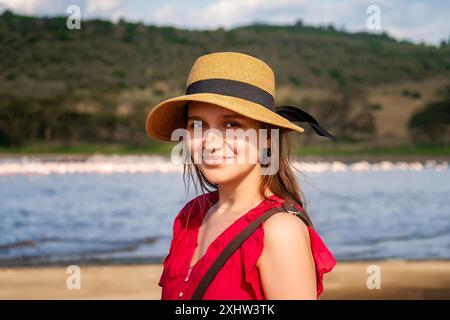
x=400, y=279
x=159, y=261
x=343, y=151
x=307, y=158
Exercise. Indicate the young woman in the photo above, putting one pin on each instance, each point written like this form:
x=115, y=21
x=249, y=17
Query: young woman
x=284, y=258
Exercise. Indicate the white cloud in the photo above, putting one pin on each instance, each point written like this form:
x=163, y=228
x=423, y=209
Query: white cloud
x=225, y=13
x=89, y=8
x=39, y=7
x=101, y=7
x=24, y=6
x=417, y=22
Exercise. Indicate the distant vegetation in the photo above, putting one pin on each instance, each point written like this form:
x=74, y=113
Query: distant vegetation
x=432, y=123
x=98, y=83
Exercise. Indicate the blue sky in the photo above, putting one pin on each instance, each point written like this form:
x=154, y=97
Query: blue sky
x=418, y=21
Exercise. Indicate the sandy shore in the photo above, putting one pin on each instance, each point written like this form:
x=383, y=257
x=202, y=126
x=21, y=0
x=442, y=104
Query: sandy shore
x=399, y=280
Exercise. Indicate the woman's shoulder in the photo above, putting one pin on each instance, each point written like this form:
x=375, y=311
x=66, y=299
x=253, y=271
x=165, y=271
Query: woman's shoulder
x=285, y=224
x=285, y=230
x=285, y=233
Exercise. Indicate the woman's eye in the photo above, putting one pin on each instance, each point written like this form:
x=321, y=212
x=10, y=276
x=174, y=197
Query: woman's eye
x=231, y=124
x=196, y=124
x=199, y=124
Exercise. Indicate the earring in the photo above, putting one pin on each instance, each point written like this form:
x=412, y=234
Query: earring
x=267, y=153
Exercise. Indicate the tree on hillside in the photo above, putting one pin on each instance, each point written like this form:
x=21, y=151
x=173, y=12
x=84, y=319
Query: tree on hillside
x=432, y=123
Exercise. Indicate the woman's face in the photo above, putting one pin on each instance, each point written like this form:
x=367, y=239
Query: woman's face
x=221, y=157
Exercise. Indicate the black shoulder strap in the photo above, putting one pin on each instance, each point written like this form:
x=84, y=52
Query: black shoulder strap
x=235, y=243
x=291, y=208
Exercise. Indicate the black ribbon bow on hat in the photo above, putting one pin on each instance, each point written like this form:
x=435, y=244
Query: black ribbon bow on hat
x=295, y=114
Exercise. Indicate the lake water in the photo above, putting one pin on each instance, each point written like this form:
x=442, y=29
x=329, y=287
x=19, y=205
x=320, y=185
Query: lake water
x=121, y=209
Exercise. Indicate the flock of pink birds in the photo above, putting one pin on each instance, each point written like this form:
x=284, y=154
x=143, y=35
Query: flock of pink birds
x=99, y=164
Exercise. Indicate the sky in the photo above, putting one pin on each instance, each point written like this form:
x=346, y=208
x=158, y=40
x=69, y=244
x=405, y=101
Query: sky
x=416, y=21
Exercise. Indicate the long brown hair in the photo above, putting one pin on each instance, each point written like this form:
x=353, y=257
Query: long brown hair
x=283, y=184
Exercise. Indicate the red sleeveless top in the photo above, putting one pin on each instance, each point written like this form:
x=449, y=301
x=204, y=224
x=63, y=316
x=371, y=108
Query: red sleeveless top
x=238, y=279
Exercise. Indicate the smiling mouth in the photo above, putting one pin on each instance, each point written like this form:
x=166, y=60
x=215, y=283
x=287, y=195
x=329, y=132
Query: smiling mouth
x=216, y=160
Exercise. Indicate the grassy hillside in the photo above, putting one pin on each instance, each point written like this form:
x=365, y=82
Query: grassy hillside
x=97, y=84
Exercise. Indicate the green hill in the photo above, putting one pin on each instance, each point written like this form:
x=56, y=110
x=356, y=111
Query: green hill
x=97, y=84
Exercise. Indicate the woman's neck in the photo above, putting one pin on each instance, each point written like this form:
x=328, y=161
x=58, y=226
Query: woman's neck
x=240, y=195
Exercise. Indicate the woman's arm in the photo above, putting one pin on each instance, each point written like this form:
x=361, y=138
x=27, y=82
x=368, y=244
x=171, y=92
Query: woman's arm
x=286, y=264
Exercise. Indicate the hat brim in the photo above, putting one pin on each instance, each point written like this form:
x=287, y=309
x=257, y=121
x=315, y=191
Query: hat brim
x=166, y=117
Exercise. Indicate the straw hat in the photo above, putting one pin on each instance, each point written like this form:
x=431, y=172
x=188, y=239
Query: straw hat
x=232, y=80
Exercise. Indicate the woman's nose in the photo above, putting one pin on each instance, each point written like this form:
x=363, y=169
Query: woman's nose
x=213, y=139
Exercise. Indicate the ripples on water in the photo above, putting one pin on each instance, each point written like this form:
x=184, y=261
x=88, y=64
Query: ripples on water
x=121, y=208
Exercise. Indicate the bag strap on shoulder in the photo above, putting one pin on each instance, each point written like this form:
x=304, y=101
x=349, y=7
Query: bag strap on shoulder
x=291, y=208
x=236, y=242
